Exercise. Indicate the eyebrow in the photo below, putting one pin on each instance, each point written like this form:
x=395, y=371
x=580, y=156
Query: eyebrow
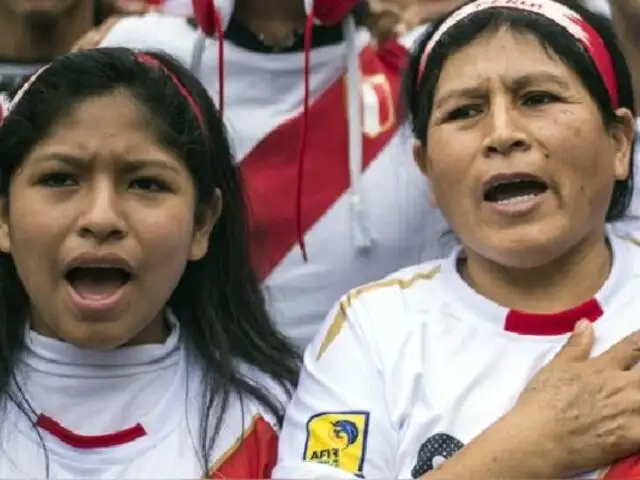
x=129, y=165
x=518, y=83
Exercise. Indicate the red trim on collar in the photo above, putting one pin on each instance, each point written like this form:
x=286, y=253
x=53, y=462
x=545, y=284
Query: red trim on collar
x=77, y=440
x=552, y=323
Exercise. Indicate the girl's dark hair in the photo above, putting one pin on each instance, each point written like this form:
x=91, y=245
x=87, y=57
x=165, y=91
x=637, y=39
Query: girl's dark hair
x=418, y=93
x=218, y=301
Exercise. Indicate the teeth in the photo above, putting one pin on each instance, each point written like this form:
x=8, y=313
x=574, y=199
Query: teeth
x=521, y=198
x=508, y=182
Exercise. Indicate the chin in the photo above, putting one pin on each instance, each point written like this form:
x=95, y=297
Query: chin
x=525, y=251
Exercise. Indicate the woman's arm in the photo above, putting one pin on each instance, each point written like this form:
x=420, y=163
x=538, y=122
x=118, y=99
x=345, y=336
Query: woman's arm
x=337, y=424
x=577, y=414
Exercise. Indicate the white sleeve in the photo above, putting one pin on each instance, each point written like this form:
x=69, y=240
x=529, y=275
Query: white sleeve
x=338, y=423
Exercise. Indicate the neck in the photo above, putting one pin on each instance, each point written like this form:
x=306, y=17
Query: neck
x=272, y=20
x=42, y=41
x=555, y=287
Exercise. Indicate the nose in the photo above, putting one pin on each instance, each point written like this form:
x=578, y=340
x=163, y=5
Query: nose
x=101, y=218
x=506, y=133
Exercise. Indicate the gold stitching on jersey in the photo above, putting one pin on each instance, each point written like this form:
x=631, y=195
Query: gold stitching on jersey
x=234, y=446
x=341, y=315
x=633, y=241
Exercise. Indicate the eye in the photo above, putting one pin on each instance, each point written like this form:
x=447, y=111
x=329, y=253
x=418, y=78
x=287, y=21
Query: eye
x=463, y=113
x=58, y=180
x=535, y=99
x=149, y=185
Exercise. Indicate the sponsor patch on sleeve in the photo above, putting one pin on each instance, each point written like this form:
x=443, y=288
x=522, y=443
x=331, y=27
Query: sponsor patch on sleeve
x=338, y=439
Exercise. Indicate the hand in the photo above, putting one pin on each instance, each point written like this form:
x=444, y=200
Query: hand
x=94, y=37
x=587, y=410
x=115, y=10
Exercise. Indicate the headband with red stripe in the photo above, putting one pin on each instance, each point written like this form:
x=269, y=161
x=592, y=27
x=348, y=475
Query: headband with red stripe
x=6, y=107
x=562, y=15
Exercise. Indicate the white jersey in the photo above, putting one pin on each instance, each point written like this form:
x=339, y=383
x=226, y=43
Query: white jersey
x=263, y=110
x=131, y=413
x=410, y=369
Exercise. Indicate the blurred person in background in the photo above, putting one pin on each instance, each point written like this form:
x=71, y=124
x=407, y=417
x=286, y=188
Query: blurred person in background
x=335, y=198
x=33, y=32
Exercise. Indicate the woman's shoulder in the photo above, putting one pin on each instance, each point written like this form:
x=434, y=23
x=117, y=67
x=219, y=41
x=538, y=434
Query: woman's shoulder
x=383, y=312
x=403, y=284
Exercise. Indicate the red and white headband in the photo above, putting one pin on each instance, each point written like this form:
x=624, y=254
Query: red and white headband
x=562, y=15
x=7, y=106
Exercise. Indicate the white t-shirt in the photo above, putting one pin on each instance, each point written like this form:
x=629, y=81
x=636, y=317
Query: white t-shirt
x=408, y=370
x=131, y=413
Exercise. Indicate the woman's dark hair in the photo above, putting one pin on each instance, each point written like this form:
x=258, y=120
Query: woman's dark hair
x=218, y=301
x=418, y=93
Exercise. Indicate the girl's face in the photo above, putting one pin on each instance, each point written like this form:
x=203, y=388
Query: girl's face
x=100, y=225
x=518, y=156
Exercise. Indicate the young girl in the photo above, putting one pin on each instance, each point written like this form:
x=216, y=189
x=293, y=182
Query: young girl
x=134, y=341
x=523, y=118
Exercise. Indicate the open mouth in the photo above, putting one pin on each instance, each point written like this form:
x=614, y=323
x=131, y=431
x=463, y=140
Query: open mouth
x=514, y=189
x=97, y=283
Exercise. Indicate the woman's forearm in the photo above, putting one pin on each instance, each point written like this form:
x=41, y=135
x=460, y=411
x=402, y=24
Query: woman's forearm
x=514, y=447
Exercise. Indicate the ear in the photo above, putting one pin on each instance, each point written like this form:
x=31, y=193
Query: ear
x=420, y=157
x=206, y=218
x=623, y=135
x=5, y=237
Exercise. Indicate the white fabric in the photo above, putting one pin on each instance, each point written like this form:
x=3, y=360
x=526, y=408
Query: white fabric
x=421, y=354
x=95, y=393
x=599, y=6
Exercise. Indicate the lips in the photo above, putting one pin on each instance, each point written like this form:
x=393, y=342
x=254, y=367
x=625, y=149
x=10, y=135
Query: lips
x=97, y=282
x=515, y=187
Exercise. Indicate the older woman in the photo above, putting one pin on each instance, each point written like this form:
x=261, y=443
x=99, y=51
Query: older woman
x=523, y=118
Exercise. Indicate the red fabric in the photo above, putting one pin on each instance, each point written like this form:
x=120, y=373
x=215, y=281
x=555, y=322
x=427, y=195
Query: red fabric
x=270, y=170
x=253, y=456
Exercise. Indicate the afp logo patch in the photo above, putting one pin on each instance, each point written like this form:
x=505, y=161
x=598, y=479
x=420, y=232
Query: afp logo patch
x=338, y=439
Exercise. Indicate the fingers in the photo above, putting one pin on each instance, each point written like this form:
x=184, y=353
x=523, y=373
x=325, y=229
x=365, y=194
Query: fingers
x=578, y=347
x=94, y=37
x=625, y=354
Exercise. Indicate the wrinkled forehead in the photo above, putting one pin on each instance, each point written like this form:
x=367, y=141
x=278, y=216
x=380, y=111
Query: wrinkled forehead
x=502, y=53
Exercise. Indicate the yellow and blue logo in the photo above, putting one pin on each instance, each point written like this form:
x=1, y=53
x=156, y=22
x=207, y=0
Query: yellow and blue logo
x=338, y=439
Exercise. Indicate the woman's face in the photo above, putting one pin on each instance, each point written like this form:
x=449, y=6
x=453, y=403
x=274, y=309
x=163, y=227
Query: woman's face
x=518, y=156
x=100, y=225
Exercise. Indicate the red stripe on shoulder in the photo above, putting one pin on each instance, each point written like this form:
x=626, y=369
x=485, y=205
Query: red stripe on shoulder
x=253, y=454
x=270, y=170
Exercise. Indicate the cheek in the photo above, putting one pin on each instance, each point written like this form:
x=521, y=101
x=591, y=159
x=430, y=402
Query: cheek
x=449, y=174
x=165, y=238
x=36, y=237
